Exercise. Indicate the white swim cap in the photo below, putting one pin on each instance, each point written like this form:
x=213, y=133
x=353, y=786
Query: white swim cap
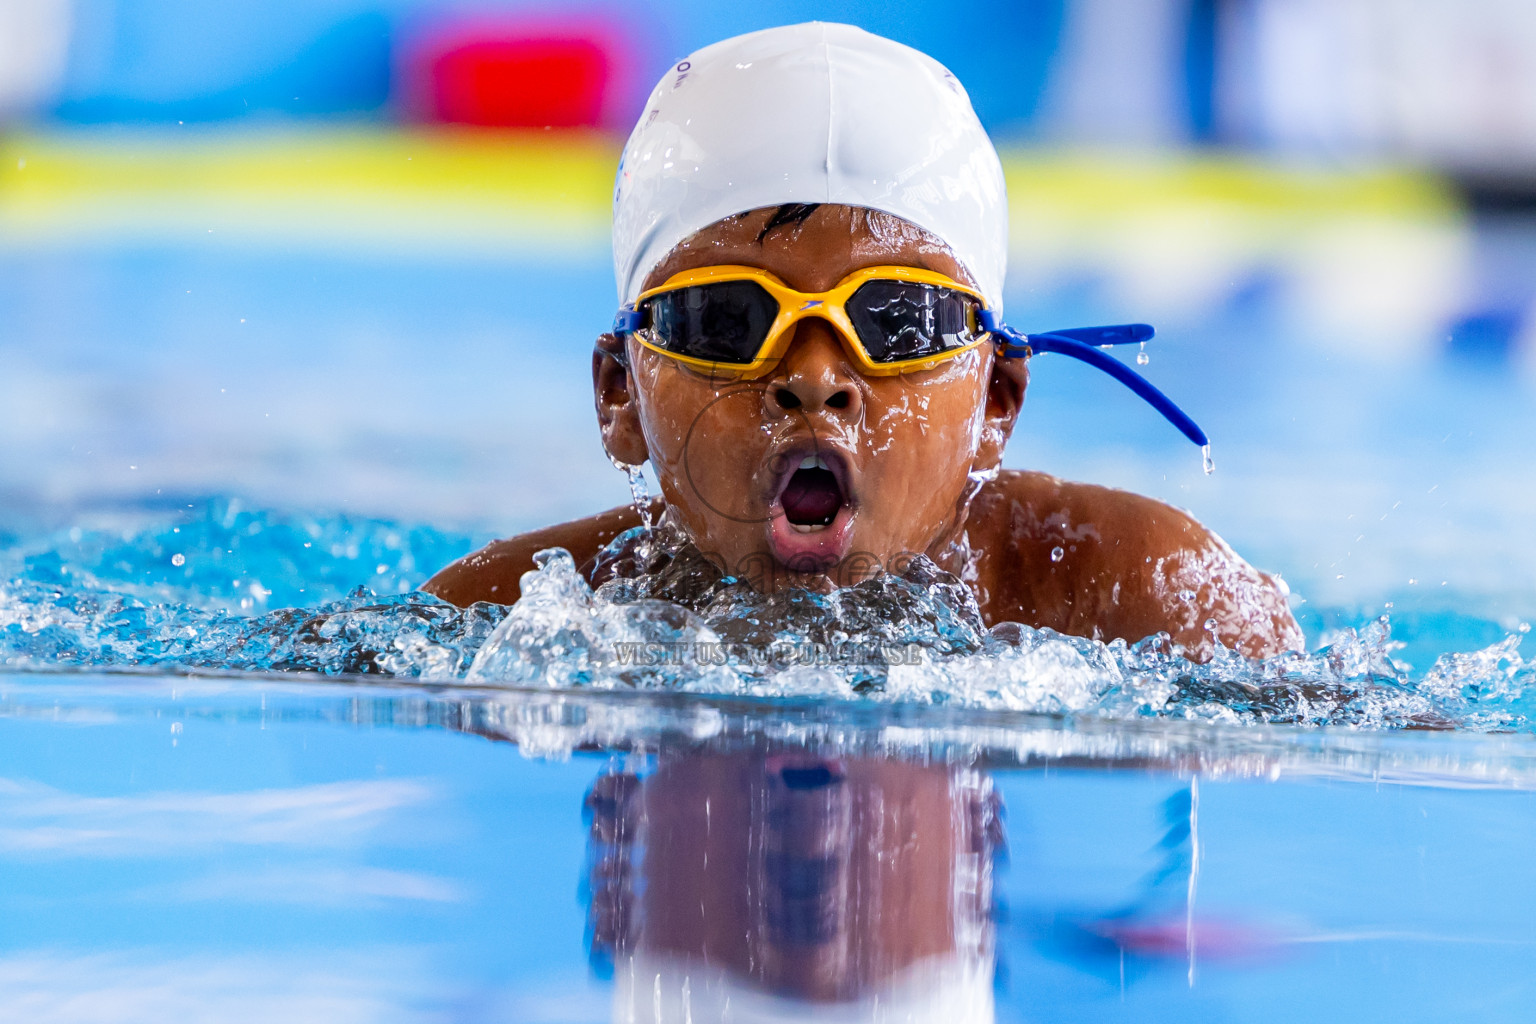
x=812, y=113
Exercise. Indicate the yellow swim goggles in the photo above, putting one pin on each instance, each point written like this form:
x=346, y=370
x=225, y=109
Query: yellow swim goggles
x=737, y=320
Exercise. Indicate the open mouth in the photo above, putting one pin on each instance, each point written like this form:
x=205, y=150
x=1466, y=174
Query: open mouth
x=812, y=497
x=810, y=525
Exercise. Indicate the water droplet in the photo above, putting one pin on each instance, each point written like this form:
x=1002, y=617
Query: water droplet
x=1142, y=359
x=1057, y=554
x=178, y=559
x=639, y=496
x=1206, y=460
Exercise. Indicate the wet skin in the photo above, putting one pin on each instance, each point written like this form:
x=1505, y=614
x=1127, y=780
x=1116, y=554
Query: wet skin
x=914, y=456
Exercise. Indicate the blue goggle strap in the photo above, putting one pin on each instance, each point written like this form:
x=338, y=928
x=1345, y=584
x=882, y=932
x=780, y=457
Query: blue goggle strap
x=1083, y=344
x=627, y=320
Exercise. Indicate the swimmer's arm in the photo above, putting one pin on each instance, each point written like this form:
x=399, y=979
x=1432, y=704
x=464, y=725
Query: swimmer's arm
x=1128, y=567
x=494, y=573
x=1249, y=609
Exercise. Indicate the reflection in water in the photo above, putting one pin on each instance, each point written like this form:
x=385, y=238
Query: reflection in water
x=794, y=860
x=777, y=882
x=1194, y=874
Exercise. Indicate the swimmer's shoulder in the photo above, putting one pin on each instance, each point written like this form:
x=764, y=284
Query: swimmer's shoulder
x=494, y=573
x=1101, y=562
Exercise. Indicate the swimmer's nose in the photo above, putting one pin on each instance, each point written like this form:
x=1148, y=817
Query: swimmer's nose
x=815, y=374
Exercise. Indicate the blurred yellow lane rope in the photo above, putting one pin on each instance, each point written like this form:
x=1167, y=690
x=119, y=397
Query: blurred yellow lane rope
x=1380, y=251
x=479, y=189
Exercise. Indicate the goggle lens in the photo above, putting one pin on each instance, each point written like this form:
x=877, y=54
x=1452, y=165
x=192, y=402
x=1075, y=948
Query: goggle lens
x=900, y=320
x=723, y=322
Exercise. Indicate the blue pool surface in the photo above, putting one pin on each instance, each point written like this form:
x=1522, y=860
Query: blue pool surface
x=249, y=849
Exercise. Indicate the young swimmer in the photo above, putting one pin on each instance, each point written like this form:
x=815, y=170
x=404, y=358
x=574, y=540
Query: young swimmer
x=810, y=233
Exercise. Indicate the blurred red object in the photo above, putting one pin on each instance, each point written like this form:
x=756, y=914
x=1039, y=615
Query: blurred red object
x=521, y=83
x=543, y=72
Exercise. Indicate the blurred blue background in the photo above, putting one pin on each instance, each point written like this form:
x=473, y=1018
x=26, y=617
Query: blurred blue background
x=178, y=60
x=1453, y=85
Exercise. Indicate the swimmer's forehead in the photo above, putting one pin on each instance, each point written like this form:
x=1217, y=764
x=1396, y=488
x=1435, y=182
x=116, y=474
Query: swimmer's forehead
x=815, y=253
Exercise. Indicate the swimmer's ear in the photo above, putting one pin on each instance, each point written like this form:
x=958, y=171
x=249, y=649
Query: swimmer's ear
x=1005, y=397
x=618, y=414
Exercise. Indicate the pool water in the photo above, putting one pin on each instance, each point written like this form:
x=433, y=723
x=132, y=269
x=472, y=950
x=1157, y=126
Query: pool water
x=248, y=773
x=249, y=849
